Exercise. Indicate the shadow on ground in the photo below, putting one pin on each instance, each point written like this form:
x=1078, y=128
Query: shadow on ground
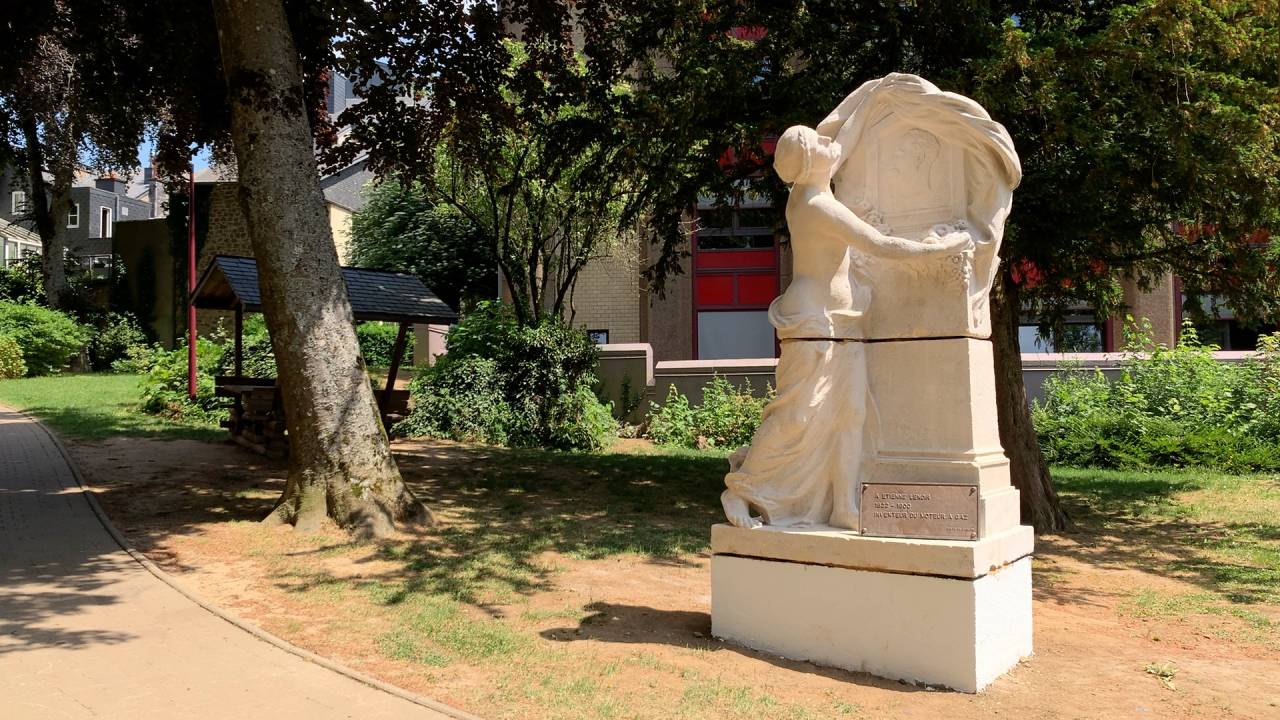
x=502, y=510
x=1133, y=523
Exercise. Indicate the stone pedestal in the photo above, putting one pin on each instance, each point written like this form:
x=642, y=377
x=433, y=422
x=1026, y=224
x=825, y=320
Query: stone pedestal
x=938, y=612
x=935, y=405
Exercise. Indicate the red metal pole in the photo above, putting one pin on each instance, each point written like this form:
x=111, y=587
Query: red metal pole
x=191, y=284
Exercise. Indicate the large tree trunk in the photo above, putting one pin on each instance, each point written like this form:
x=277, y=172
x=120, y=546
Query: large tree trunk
x=53, y=269
x=340, y=463
x=1030, y=473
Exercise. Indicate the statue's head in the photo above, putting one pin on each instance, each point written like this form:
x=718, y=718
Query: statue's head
x=802, y=155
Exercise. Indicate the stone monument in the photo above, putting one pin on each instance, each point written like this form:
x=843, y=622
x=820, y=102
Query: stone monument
x=872, y=524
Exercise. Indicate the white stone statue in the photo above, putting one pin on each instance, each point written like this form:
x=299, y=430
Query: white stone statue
x=872, y=522
x=904, y=246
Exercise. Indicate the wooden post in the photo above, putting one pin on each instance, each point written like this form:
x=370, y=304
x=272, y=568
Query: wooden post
x=240, y=340
x=397, y=354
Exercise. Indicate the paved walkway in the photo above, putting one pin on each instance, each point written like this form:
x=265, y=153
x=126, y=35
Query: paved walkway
x=85, y=631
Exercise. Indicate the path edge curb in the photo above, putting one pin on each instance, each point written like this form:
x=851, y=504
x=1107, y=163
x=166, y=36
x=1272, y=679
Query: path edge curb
x=257, y=632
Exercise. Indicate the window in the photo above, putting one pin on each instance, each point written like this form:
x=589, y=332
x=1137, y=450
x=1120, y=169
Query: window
x=726, y=228
x=1220, y=326
x=18, y=202
x=599, y=337
x=98, y=266
x=734, y=334
x=1078, y=336
x=104, y=226
x=73, y=216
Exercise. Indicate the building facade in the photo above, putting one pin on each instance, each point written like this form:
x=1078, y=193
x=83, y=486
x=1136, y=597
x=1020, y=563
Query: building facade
x=717, y=307
x=98, y=205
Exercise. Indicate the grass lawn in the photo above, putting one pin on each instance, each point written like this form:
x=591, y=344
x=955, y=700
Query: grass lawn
x=96, y=406
x=576, y=586
x=1219, y=532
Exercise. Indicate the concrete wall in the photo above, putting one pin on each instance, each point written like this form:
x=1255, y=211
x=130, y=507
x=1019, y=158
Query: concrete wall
x=689, y=376
x=1039, y=367
x=150, y=284
x=340, y=224
x=626, y=378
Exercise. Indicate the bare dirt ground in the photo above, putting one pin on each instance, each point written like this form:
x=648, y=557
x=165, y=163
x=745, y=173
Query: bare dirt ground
x=527, y=602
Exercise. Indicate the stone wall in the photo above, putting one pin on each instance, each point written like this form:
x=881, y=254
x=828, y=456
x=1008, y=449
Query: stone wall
x=228, y=232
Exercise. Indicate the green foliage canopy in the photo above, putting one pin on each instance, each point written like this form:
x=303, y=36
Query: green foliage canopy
x=402, y=229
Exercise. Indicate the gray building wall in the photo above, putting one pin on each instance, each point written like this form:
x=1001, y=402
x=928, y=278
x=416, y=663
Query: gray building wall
x=86, y=238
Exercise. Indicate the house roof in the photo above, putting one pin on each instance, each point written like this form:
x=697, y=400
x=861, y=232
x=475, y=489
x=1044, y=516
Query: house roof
x=374, y=294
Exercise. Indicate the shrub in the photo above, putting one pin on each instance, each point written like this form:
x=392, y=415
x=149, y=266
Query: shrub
x=579, y=421
x=20, y=282
x=11, y=363
x=460, y=400
x=673, y=423
x=48, y=338
x=728, y=416
x=378, y=342
x=137, y=359
x=537, y=384
x=114, y=335
x=259, y=358
x=164, y=387
x=1170, y=407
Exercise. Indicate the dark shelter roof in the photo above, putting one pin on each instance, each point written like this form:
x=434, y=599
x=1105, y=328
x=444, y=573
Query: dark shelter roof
x=375, y=294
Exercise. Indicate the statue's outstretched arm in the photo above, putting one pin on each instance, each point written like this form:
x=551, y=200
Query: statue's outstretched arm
x=860, y=233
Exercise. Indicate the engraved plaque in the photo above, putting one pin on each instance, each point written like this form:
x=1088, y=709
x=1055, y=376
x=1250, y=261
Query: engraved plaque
x=935, y=511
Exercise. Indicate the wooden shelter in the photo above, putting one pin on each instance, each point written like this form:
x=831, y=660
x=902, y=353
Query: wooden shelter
x=231, y=283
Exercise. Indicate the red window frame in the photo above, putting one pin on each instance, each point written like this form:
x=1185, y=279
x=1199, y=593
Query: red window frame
x=732, y=265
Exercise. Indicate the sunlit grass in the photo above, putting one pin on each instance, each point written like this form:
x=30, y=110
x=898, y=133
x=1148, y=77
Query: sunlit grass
x=95, y=406
x=1223, y=531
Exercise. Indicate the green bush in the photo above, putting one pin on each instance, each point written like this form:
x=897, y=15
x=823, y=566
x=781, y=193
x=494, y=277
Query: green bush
x=20, y=282
x=460, y=400
x=11, y=362
x=259, y=359
x=727, y=418
x=378, y=342
x=1170, y=407
x=114, y=335
x=137, y=359
x=535, y=385
x=48, y=338
x=579, y=421
x=164, y=386
x=673, y=422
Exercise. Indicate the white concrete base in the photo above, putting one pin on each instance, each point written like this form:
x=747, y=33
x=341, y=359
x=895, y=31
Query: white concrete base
x=961, y=633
